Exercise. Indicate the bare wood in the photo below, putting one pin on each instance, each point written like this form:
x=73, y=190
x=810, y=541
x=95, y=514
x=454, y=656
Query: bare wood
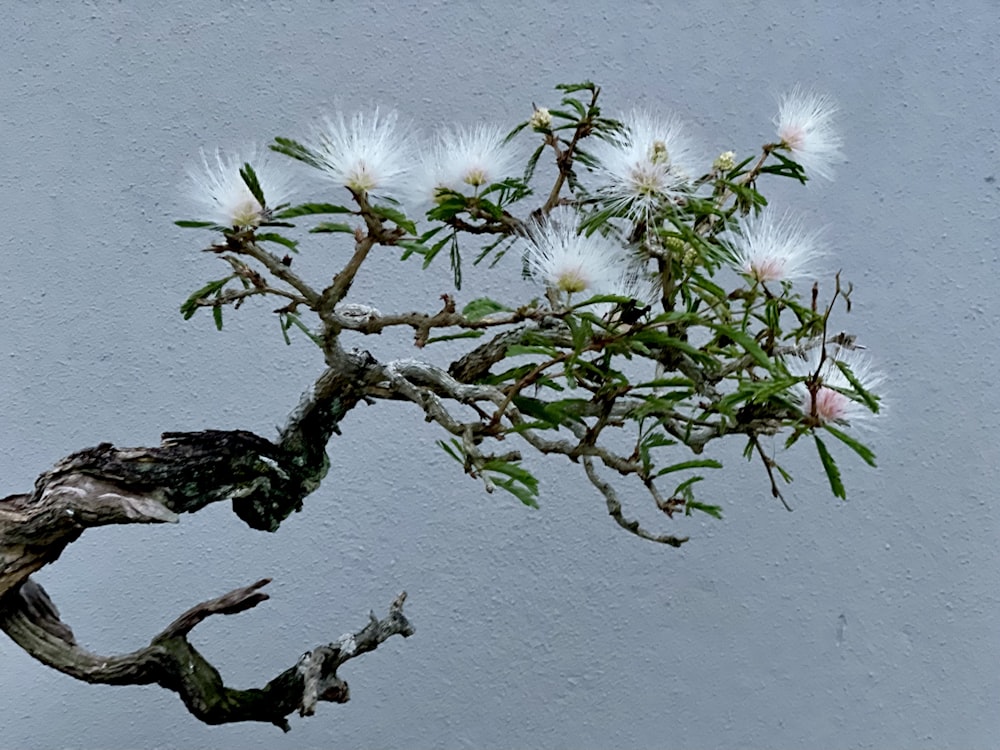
x=30, y=618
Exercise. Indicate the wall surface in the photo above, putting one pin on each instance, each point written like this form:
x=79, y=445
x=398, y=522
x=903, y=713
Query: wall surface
x=871, y=623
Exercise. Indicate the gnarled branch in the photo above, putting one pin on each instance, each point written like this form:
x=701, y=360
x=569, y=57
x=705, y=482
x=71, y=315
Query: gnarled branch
x=30, y=618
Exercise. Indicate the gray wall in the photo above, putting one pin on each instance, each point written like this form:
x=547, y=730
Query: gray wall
x=860, y=624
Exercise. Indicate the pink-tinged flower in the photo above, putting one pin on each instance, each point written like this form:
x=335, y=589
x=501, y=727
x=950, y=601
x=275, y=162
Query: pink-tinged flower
x=223, y=193
x=570, y=262
x=805, y=127
x=768, y=248
x=648, y=164
x=366, y=155
x=835, y=399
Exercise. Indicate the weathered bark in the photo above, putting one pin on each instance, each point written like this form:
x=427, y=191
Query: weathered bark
x=266, y=482
x=30, y=618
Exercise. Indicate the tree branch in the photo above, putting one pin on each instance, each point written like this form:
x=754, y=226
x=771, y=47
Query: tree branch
x=30, y=618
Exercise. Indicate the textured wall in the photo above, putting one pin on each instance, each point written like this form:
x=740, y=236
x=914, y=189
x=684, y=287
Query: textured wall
x=859, y=624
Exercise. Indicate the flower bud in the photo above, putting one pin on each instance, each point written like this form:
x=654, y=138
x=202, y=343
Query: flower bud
x=541, y=119
x=724, y=161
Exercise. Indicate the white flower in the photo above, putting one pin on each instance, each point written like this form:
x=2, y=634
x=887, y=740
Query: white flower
x=832, y=402
x=649, y=163
x=568, y=261
x=366, y=155
x=466, y=160
x=767, y=247
x=220, y=189
x=805, y=127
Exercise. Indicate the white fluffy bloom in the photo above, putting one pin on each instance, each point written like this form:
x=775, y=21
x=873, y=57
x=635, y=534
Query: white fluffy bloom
x=366, y=155
x=466, y=160
x=568, y=261
x=768, y=247
x=805, y=127
x=832, y=402
x=647, y=164
x=222, y=193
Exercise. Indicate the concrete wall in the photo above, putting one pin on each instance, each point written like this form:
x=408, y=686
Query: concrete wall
x=871, y=623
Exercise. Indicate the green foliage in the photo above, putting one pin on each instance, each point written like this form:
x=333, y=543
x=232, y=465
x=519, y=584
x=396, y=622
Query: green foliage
x=482, y=307
x=639, y=378
x=312, y=209
x=211, y=289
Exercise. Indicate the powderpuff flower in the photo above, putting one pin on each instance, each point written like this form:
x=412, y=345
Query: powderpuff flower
x=769, y=248
x=465, y=160
x=365, y=154
x=223, y=194
x=568, y=261
x=648, y=163
x=805, y=127
x=833, y=400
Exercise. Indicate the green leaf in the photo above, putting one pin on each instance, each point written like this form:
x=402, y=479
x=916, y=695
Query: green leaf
x=870, y=401
x=455, y=452
x=832, y=472
x=658, y=340
x=519, y=482
x=570, y=88
x=652, y=440
x=677, y=382
x=297, y=151
x=698, y=463
x=481, y=307
x=253, y=185
x=453, y=336
x=684, y=488
x=431, y=252
x=279, y=239
x=448, y=205
x=217, y=315
x=581, y=111
x=331, y=226
x=456, y=261
x=529, y=170
x=866, y=453
x=310, y=209
x=581, y=331
x=515, y=350
x=188, y=308
x=750, y=346
x=283, y=324
x=396, y=216
x=713, y=510
x=292, y=319
x=786, y=168
x=196, y=224
x=517, y=129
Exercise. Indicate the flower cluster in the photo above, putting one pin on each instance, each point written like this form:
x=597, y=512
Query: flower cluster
x=637, y=330
x=643, y=169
